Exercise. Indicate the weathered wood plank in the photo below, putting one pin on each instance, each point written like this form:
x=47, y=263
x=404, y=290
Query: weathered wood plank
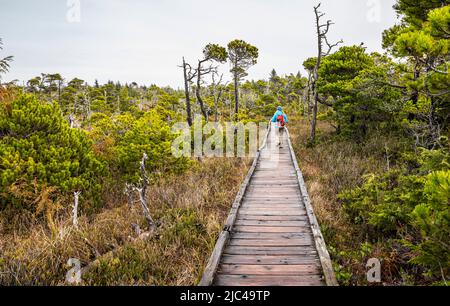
x=272, y=176
x=214, y=260
x=280, y=206
x=272, y=198
x=268, y=250
x=271, y=229
x=243, y=222
x=261, y=280
x=242, y=235
x=298, y=217
x=274, y=184
x=269, y=260
x=272, y=210
x=232, y=269
x=268, y=242
x=273, y=202
x=255, y=212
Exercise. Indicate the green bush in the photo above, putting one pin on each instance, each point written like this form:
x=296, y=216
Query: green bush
x=410, y=202
x=123, y=139
x=39, y=150
x=432, y=218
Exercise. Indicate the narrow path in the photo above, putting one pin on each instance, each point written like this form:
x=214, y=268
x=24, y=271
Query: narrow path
x=272, y=237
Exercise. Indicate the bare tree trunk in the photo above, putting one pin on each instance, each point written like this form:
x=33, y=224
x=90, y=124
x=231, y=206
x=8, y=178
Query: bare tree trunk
x=322, y=30
x=76, y=195
x=144, y=205
x=316, y=76
x=88, y=105
x=129, y=193
x=197, y=91
x=236, y=93
x=142, y=190
x=187, y=94
x=308, y=95
x=59, y=93
x=217, y=94
x=71, y=120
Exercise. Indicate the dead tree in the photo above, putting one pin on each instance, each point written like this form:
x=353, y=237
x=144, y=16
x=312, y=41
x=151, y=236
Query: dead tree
x=211, y=53
x=141, y=188
x=129, y=192
x=307, y=95
x=217, y=92
x=71, y=120
x=322, y=31
x=76, y=195
x=189, y=75
x=200, y=73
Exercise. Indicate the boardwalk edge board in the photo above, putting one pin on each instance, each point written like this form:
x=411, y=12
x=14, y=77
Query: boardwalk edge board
x=214, y=260
x=325, y=260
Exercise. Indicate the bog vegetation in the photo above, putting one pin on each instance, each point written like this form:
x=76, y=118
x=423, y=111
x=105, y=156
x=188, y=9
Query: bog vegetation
x=86, y=170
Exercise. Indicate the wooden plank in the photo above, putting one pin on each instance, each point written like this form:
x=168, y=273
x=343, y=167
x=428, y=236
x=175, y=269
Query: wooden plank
x=256, y=212
x=276, y=166
x=269, y=260
x=274, y=183
x=273, y=205
x=271, y=174
x=268, y=242
x=282, y=270
x=274, y=191
x=293, y=209
x=214, y=260
x=271, y=229
x=276, y=188
x=274, y=218
x=272, y=198
x=268, y=250
x=272, y=201
x=261, y=280
x=275, y=172
x=262, y=216
x=266, y=206
x=243, y=222
x=272, y=236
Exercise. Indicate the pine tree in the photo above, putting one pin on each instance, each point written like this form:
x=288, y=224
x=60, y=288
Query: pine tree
x=40, y=150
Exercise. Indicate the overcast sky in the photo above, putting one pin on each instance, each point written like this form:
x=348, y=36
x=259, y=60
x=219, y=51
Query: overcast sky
x=143, y=41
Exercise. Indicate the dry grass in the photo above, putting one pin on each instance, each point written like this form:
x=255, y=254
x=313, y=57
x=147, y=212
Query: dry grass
x=190, y=210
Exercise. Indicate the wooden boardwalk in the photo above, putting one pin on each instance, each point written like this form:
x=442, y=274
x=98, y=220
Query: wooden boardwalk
x=271, y=237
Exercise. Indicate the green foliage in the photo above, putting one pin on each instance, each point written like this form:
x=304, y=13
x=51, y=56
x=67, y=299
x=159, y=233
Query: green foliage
x=38, y=146
x=216, y=53
x=122, y=140
x=412, y=202
x=415, y=11
x=310, y=64
x=432, y=218
x=423, y=40
x=352, y=81
x=242, y=56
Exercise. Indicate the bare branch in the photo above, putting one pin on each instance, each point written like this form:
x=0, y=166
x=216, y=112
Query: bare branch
x=331, y=46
